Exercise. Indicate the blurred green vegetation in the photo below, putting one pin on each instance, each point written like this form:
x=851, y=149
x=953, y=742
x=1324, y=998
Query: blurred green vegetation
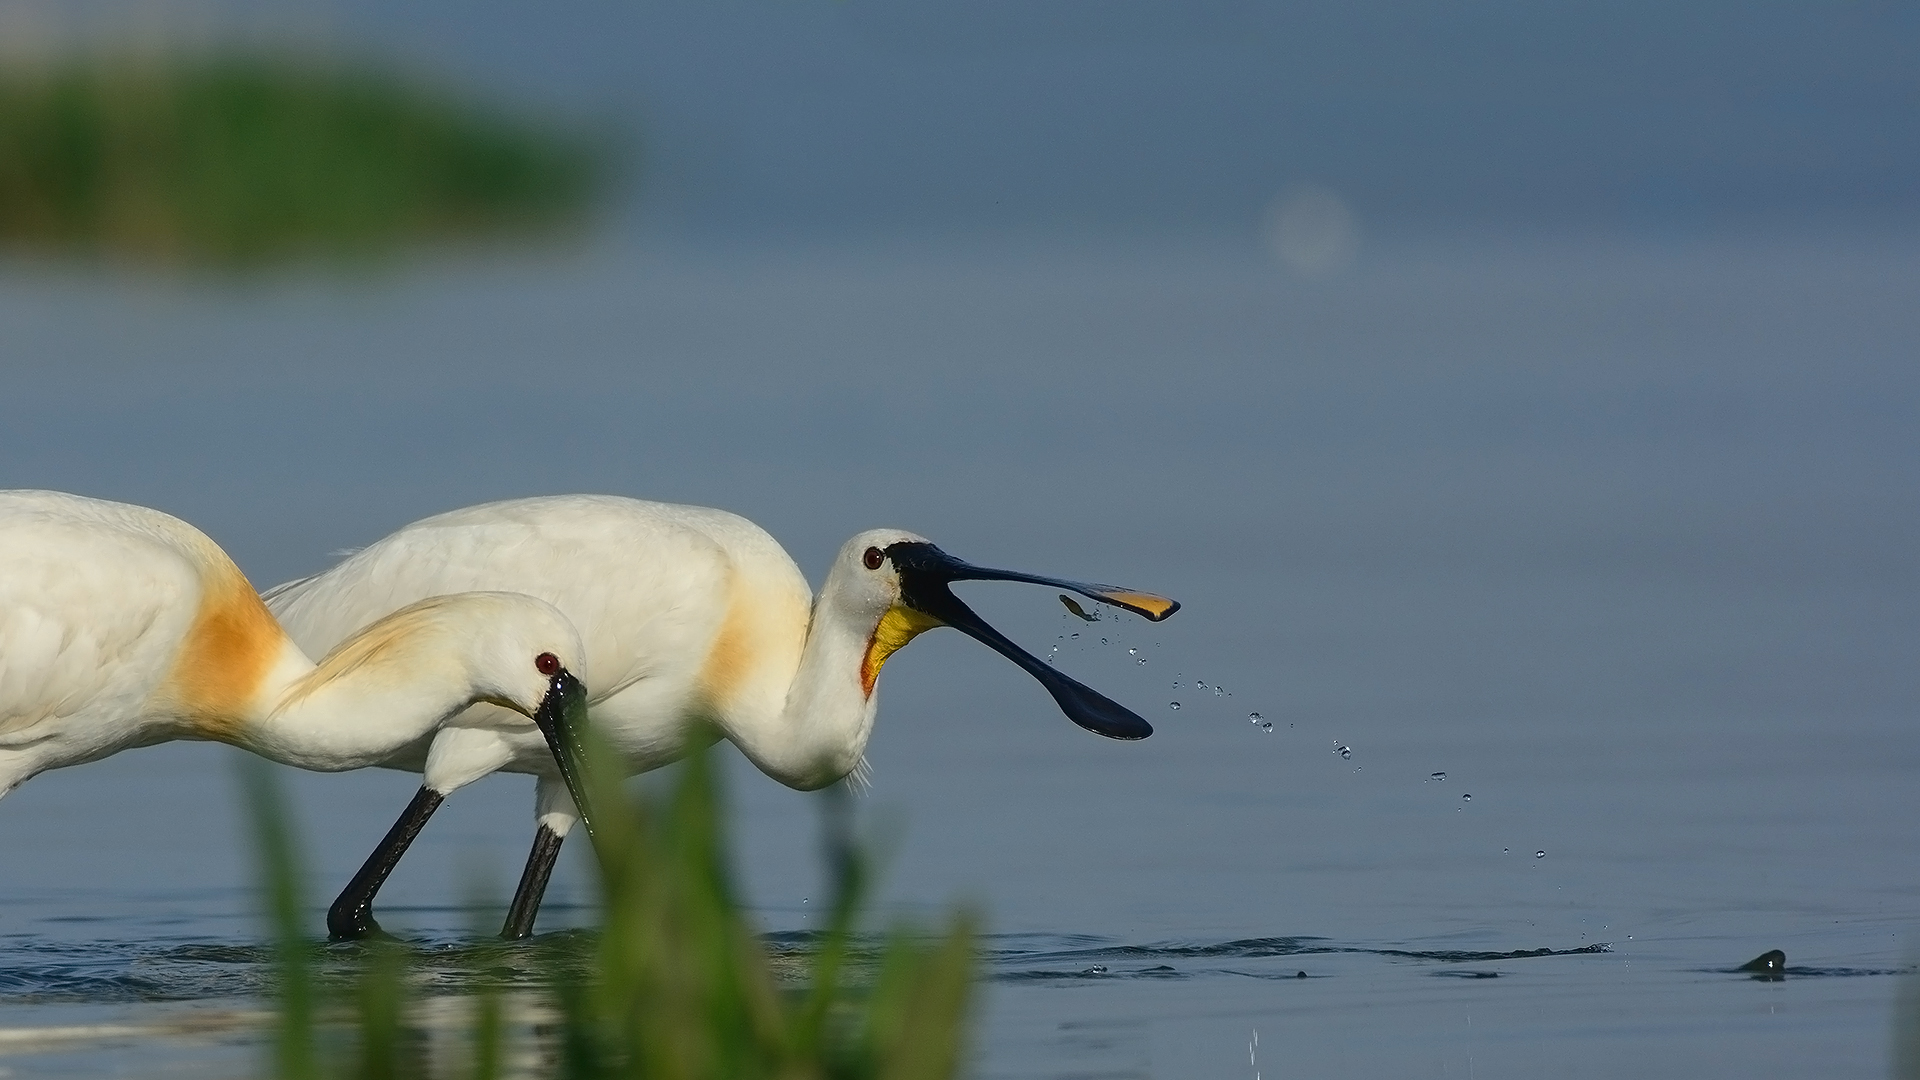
x=240, y=160
x=677, y=985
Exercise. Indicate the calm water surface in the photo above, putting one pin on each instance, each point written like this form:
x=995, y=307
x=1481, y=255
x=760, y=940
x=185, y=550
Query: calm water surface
x=1616, y=536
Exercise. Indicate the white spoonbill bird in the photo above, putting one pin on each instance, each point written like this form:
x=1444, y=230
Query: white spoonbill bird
x=121, y=626
x=694, y=620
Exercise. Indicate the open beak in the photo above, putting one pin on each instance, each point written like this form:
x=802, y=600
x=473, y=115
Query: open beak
x=926, y=571
x=562, y=718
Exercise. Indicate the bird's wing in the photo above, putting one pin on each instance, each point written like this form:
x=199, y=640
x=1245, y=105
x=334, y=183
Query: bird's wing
x=645, y=583
x=91, y=618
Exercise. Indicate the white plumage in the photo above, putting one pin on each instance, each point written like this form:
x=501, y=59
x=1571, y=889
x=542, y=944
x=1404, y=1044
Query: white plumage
x=649, y=586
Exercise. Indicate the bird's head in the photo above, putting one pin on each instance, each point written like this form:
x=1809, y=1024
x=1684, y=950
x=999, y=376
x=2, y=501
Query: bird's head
x=526, y=656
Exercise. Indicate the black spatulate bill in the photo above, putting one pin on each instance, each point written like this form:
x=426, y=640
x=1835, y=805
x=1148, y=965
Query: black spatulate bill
x=925, y=573
x=562, y=719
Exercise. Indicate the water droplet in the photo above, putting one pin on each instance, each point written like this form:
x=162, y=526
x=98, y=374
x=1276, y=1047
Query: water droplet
x=1075, y=634
x=1103, y=641
x=1143, y=661
x=1254, y=718
x=1268, y=726
x=1218, y=690
x=1466, y=798
x=1436, y=777
x=803, y=899
x=1539, y=854
x=1174, y=705
x=1343, y=750
x=1133, y=651
x=1176, y=684
x=1504, y=851
x=1200, y=684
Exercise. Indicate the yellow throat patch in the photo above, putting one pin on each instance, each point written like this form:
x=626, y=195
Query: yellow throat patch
x=897, y=627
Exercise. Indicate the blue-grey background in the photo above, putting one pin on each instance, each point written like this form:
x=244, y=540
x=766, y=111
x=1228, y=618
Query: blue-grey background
x=775, y=117
x=1583, y=474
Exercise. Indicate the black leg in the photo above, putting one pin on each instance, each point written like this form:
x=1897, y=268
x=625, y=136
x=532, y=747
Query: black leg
x=351, y=916
x=533, y=884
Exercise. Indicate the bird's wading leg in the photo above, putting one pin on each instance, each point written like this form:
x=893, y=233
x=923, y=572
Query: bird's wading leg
x=533, y=884
x=351, y=916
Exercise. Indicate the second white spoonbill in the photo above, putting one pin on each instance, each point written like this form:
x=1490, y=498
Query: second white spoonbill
x=694, y=619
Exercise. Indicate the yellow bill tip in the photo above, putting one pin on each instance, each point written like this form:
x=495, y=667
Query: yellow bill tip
x=1155, y=608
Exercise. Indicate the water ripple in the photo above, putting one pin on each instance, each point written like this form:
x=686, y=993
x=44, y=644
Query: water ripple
x=1015, y=958
x=119, y=972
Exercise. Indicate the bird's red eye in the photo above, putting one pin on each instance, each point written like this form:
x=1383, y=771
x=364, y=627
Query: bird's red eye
x=547, y=663
x=873, y=558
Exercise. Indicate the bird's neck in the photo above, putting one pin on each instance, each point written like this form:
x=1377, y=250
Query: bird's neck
x=820, y=730
x=364, y=703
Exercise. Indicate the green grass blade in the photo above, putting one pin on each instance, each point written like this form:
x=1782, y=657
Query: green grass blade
x=381, y=1004
x=681, y=985
x=296, y=1054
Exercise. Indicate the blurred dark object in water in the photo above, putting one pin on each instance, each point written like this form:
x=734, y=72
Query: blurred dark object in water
x=242, y=160
x=1770, y=966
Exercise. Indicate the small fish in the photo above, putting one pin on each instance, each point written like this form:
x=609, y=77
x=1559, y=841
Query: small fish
x=1074, y=606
